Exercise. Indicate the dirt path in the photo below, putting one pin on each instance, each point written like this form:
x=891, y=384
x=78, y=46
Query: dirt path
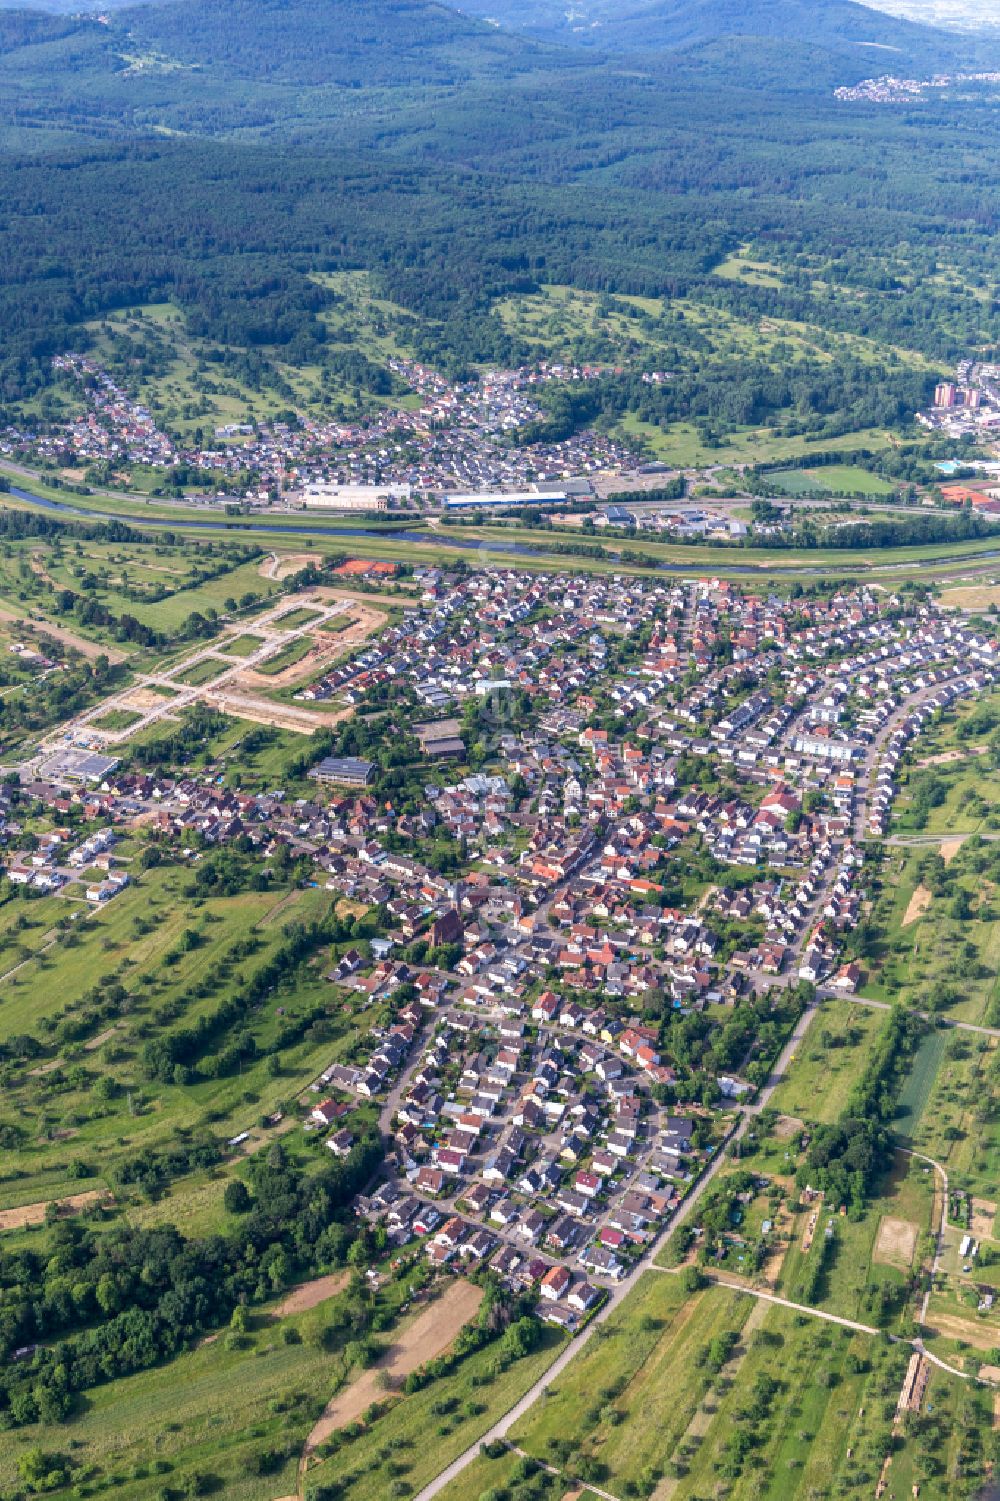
x=311, y=1294
x=280, y=565
x=99, y=1040
x=48, y=939
x=917, y=905
x=279, y=907
x=430, y=1332
x=34, y=1214
x=89, y=649
x=46, y=1068
x=981, y=1336
x=263, y=1137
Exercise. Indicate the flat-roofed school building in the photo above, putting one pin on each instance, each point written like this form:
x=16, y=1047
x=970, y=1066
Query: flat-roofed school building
x=344, y=771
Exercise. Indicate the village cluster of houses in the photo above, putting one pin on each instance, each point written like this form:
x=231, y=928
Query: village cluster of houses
x=513, y=1048
x=537, y=1146
x=456, y=440
x=57, y=862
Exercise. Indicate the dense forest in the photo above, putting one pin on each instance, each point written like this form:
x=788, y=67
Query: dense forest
x=458, y=164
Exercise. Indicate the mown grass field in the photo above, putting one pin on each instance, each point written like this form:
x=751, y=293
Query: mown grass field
x=241, y=646
x=200, y=673
x=287, y=656
x=845, y=479
x=828, y=1062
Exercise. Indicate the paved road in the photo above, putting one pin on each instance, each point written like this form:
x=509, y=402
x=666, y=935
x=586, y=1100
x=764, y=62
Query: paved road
x=929, y=1016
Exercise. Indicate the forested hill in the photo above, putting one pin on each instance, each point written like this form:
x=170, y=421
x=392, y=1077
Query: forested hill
x=357, y=43
x=843, y=26
x=220, y=153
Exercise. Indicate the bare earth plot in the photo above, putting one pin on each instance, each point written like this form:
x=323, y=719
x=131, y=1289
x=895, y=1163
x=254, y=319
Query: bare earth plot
x=429, y=1334
x=984, y=1214
x=946, y=758
x=896, y=1243
x=917, y=905
x=142, y=698
x=325, y=649
x=971, y=597
x=311, y=1294
x=34, y=1214
x=268, y=711
x=980, y=1336
x=280, y=567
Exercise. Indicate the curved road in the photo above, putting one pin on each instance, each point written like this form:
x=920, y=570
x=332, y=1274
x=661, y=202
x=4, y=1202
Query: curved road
x=502, y=1427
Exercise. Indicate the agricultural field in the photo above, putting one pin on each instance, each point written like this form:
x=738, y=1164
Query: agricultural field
x=912, y=1102
x=684, y=1394
x=422, y=1432
x=135, y=1434
x=958, y=1124
x=628, y=1399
